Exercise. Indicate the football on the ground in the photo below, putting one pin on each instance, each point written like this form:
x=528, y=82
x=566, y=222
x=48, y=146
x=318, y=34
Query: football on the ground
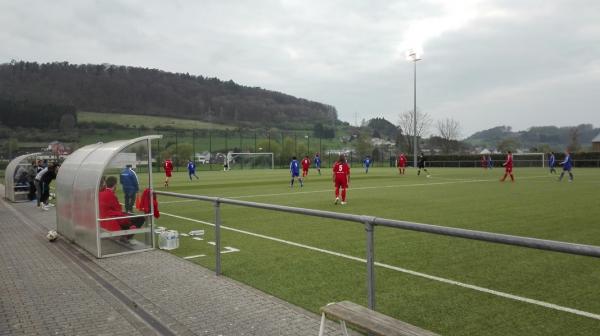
x=52, y=235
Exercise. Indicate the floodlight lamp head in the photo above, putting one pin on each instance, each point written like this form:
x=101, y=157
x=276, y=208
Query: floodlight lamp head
x=414, y=55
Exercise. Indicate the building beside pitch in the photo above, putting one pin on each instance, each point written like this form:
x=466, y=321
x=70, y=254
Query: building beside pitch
x=596, y=144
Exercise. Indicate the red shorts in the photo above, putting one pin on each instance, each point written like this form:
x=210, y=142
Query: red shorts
x=168, y=173
x=508, y=170
x=305, y=170
x=341, y=183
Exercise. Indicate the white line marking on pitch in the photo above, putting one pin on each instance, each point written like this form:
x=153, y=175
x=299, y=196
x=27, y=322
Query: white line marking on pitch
x=404, y=270
x=229, y=249
x=195, y=256
x=197, y=238
x=456, y=181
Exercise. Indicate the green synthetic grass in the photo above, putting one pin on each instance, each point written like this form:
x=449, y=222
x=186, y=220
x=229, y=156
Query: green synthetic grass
x=534, y=206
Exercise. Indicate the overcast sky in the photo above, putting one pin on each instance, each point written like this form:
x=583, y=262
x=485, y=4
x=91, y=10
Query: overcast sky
x=520, y=63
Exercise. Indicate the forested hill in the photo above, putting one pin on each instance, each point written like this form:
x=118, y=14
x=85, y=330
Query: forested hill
x=132, y=90
x=538, y=138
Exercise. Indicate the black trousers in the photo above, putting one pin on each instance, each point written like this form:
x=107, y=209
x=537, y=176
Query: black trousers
x=45, y=192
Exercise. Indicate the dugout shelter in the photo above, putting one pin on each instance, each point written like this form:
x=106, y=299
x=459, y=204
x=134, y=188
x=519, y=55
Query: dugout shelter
x=80, y=179
x=16, y=182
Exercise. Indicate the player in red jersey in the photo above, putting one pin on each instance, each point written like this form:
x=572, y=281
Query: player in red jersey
x=508, y=166
x=168, y=166
x=401, y=163
x=341, y=178
x=305, y=165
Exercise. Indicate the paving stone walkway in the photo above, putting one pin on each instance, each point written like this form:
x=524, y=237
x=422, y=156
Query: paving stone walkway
x=56, y=289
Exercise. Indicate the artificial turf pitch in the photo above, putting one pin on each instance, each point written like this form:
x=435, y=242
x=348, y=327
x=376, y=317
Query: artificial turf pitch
x=536, y=205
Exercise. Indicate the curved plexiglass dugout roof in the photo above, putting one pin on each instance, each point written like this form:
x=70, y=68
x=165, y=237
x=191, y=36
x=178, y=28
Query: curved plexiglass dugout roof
x=77, y=191
x=15, y=186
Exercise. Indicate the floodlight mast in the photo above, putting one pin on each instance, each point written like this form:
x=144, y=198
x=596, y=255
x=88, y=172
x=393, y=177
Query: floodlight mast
x=414, y=57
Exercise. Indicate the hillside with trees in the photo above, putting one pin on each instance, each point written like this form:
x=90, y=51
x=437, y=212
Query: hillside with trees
x=110, y=88
x=536, y=139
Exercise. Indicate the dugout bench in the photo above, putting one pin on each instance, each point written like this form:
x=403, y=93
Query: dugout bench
x=367, y=320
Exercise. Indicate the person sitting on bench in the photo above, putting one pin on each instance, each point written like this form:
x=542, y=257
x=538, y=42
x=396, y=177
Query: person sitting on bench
x=109, y=207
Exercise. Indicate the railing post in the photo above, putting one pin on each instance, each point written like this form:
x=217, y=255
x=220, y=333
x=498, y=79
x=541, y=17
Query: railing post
x=369, y=227
x=217, y=237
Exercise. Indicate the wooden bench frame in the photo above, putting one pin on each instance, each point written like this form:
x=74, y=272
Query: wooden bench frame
x=367, y=320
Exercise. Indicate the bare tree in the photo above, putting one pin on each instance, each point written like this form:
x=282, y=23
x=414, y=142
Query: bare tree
x=449, y=131
x=574, y=135
x=406, y=125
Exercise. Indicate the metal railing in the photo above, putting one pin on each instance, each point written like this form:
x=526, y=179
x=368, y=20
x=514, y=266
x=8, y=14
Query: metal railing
x=520, y=163
x=370, y=222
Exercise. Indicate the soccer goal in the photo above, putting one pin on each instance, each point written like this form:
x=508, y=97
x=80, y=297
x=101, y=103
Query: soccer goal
x=251, y=160
x=529, y=159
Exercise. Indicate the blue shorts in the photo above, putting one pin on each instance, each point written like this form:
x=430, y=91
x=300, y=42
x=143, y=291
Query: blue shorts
x=295, y=174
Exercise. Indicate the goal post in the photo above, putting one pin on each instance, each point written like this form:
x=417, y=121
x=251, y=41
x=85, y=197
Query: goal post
x=251, y=160
x=529, y=159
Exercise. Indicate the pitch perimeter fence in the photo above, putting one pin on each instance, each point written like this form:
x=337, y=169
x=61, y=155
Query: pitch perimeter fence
x=370, y=222
x=211, y=147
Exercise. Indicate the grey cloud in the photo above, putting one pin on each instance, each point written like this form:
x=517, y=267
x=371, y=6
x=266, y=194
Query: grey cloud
x=524, y=67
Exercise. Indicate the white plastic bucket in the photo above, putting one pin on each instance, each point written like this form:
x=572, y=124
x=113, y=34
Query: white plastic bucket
x=168, y=240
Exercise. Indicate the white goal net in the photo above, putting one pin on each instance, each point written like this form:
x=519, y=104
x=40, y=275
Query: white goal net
x=251, y=160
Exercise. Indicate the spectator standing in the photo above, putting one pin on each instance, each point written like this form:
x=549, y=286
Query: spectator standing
x=37, y=182
x=31, y=173
x=45, y=180
x=129, y=181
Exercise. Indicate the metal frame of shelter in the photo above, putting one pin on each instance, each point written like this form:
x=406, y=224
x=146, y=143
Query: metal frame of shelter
x=77, y=190
x=11, y=190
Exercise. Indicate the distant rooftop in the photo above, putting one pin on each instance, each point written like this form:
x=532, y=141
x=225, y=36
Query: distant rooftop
x=597, y=138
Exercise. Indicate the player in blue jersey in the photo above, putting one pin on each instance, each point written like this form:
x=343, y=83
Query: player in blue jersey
x=567, y=165
x=367, y=164
x=295, y=171
x=192, y=169
x=317, y=162
x=552, y=163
